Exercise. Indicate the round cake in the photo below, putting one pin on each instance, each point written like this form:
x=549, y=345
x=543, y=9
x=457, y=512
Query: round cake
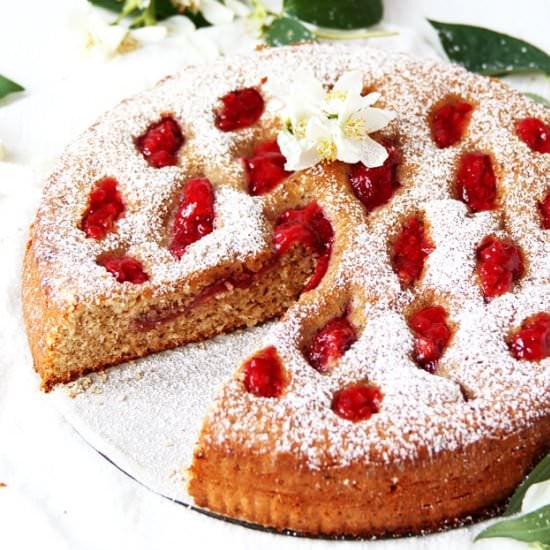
x=405, y=387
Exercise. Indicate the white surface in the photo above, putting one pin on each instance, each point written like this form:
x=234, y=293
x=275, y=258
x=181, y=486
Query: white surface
x=60, y=493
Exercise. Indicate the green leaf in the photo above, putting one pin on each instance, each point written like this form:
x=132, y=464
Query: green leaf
x=341, y=14
x=165, y=9
x=286, y=30
x=488, y=52
x=161, y=9
x=197, y=18
x=539, y=546
x=541, y=472
x=532, y=527
x=538, y=98
x=8, y=86
x=112, y=5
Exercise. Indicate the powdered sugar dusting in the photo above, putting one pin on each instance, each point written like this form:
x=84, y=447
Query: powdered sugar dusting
x=421, y=413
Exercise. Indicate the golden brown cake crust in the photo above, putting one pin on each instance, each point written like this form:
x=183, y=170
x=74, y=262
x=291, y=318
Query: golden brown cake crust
x=366, y=500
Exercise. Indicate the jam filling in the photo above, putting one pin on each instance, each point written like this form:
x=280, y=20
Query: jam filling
x=374, y=187
x=263, y=374
x=242, y=279
x=544, y=208
x=308, y=226
x=476, y=184
x=265, y=169
x=535, y=134
x=532, y=341
x=195, y=215
x=499, y=266
x=410, y=250
x=330, y=343
x=240, y=109
x=161, y=142
x=358, y=402
x=124, y=268
x=104, y=209
x=449, y=122
x=431, y=336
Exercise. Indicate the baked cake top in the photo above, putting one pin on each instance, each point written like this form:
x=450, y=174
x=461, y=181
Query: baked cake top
x=479, y=388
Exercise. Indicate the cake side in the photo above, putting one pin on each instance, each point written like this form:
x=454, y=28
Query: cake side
x=367, y=499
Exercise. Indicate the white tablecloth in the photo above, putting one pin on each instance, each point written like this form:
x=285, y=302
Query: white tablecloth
x=59, y=492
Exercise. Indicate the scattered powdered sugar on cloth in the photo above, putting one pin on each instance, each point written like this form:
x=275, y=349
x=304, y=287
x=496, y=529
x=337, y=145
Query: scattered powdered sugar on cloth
x=145, y=415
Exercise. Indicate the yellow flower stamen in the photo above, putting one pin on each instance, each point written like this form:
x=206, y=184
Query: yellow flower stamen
x=327, y=150
x=300, y=129
x=337, y=94
x=354, y=128
x=128, y=44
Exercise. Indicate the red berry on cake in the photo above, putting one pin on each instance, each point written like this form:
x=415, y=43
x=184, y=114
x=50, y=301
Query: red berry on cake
x=449, y=121
x=265, y=169
x=357, y=402
x=161, y=142
x=410, y=250
x=535, y=133
x=374, y=187
x=263, y=374
x=532, y=341
x=104, y=209
x=499, y=266
x=195, y=215
x=476, y=184
x=330, y=343
x=431, y=336
x=239, y=109
x=124, y=268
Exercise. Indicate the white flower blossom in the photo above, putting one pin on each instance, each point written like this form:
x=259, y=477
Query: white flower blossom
x=273, y=6
x=537, y=495
x=102, y=40
x=99, y=37
x=151, y=34
x=215, y=12
x=240, y=9
x=334, y=125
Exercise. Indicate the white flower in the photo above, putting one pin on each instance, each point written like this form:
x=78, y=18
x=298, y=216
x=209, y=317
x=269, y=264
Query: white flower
x=273, y=6
x=332, y=125
x=101, y=38
x=240, y=9
x=215, y=12
x=537, y=495
x=151, y=34
x=182, y=35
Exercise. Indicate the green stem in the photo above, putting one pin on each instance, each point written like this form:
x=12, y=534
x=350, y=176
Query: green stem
x=350, y=35
x=128, y=7
x=150, y=17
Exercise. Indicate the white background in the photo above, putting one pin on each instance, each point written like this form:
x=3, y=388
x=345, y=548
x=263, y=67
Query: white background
x=60, y=493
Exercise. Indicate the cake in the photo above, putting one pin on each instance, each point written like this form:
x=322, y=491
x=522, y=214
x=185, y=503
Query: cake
x=405, y=387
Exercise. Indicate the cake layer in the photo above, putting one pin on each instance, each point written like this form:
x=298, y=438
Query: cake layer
x=68, y=343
